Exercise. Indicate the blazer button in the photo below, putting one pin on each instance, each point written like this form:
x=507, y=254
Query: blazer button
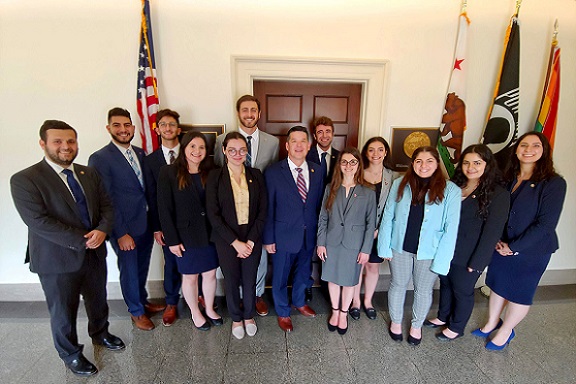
x=342, y=224
x=203, y=214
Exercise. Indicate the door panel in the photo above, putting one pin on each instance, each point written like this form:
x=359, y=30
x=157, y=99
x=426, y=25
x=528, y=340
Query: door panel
x=285, y=104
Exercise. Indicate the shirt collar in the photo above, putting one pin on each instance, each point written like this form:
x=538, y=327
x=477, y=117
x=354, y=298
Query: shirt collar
x=255, y=135
x=167, y=150
x=321, y=151
x=122, y=149
x=293, y=166
x=58, y=168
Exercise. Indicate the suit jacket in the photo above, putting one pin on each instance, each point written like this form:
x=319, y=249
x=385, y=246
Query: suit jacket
x=222, y=209
x=182, y=212
x=154, y=162
x=352, y=225
x=387, y=176
x=56, y=242
x=534, y=214
x=268, y=151
x=292, y=224
x=314, y=157
x=478, y=237
x=128, y=196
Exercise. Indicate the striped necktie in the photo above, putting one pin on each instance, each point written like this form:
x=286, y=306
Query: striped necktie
x=135, y=167
x=172, y=157
x=248, y=161
x=301, y=184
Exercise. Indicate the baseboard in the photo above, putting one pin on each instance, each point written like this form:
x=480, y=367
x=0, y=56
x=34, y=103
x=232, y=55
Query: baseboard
x=33, y=291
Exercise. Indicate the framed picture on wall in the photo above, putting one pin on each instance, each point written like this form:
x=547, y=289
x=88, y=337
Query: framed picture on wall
x=211, y=131
x=405, y=141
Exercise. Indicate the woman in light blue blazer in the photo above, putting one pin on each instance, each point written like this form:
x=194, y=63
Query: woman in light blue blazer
x=418, y=236
x=345, y=234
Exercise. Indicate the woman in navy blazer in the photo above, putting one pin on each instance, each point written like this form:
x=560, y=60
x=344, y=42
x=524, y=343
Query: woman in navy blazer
x=182, y=213
x=239, y=243
x=483, y=214
x=529, y=239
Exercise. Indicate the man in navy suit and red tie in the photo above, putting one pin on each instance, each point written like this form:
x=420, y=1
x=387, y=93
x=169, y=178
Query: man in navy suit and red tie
x=68, y=215
x=122, y=170
x=168, y=127
x=295, y=188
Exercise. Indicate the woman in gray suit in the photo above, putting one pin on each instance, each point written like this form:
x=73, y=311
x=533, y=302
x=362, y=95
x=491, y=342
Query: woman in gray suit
x=345, y=234
x=377, y=172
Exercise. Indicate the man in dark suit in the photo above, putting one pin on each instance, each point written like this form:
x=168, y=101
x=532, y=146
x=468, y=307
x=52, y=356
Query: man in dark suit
x=122, y=170
x=168, y=127
x=326, y=156
x=68, y=215
x=295, y=188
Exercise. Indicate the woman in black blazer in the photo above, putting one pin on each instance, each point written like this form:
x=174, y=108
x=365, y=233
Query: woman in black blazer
x=483, y=215
x=182, y=211
x=236, y=204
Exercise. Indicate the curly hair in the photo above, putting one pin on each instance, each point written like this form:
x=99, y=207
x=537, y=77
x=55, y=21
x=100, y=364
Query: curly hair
x=488, y=181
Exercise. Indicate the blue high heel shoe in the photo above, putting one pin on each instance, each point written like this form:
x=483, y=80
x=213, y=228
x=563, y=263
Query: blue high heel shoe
x=493, y=347
x=478, y=332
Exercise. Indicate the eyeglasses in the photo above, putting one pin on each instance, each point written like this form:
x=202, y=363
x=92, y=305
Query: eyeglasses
x=234, y=151
x=352, y=162
x=171, y=125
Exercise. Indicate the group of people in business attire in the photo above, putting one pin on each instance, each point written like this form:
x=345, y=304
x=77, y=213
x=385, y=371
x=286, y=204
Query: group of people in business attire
x=242, y=206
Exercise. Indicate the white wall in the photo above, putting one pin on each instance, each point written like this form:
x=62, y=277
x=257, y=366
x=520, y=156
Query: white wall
x=73, y=60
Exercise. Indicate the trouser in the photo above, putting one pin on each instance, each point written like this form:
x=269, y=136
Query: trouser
x=172, y=278
x=261, y=276
x=63, y=290
x=403, y=266
x=133, y=266
x=457, y=297
x=282, y=263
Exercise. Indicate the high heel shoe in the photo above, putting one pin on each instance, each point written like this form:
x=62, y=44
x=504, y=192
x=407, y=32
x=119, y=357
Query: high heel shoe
x=331, y=327
x=413, y=341
x=493, y=347
x=478, y=332
x=342, y=331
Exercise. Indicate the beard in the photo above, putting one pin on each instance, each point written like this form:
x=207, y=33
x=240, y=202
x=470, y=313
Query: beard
x=122, y=139
x=63, y=160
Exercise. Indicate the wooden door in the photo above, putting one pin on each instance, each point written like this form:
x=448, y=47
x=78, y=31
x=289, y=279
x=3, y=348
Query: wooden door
x=285, y=104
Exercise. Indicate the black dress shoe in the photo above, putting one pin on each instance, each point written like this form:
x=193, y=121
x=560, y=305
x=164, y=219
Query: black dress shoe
x=111, y=342
x=203, y=327
x=370, y=313
x=308, y=295
x=354, y=313
x=429, y=324
x=216, y=322
x=414, y=341
x=81, y=366
x=442, y=337
x=395, y=336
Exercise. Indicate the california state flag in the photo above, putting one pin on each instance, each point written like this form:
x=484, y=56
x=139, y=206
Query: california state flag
x=454, y=118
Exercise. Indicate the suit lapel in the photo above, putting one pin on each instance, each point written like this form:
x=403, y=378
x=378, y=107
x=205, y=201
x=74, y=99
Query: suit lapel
x=53, y=179
x=122, y=161
x=354, y=193
x=290, y=179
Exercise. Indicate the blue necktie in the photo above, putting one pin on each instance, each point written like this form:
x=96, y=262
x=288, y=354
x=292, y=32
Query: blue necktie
x=78, y=197
x=248, y=161
x=135, y=167
x=323, y=164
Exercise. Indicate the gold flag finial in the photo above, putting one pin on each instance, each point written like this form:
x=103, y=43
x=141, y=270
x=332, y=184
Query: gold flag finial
x=518, y=4
x=463, y=6
x=555, y=35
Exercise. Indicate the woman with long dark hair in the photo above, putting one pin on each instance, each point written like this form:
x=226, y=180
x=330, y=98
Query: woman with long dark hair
x=529, y=239
x=418, y=235
x=483, y=215
x=378, y=173
x=236, y=204
x=182, y=211
x=345, y=234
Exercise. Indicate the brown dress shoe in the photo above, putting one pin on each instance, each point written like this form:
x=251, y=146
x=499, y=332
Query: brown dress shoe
x=306, y=311
x=143, y=322
x=261, y=306
x=153, y=308
x=169, y=316
x=285, y=324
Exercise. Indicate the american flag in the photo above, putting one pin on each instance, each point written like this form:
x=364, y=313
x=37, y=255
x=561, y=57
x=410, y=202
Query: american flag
x=147, y=95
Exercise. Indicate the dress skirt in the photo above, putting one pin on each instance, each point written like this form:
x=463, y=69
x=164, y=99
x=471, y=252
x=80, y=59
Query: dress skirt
x=516, y=278
x=341, y=267
x=197, y=260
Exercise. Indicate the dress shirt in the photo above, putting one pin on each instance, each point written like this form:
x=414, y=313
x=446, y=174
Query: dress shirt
x=58, y=169
x=241, y=197
x=305, y=172
x=255, y=141
x=166, y=152
x=136, y=160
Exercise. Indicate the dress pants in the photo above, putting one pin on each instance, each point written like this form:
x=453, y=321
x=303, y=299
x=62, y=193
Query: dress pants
x=63, y=290
x=172, y=278
x=133, y=266
x=282, y=263
x=239, y=273
x=403, y=266
x=457, y=297
x=262, y=271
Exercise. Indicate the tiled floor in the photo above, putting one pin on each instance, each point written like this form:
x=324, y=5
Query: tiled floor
x=544, y=350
